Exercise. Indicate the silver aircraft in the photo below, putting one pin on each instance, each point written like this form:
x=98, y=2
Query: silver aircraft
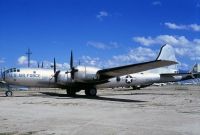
x=77, y=78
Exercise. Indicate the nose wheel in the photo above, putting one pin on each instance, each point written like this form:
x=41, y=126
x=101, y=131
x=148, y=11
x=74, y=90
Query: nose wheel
x=8, y=93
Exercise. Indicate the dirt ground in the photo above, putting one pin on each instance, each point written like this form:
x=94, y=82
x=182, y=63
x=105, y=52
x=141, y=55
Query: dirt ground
x=167, y=110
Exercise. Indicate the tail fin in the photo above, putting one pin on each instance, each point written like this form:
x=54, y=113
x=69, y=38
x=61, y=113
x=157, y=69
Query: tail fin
x=195, y=69
x=166, y=53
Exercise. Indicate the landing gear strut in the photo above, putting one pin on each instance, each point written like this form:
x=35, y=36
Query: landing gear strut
x=91, y=92
x=71, y=92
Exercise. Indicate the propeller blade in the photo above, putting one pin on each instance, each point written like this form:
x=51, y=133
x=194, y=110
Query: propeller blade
x=56, y=76
x=38, y=65
x=71, y=61
x=42, y=65
x=73, y=70
x=54, y=65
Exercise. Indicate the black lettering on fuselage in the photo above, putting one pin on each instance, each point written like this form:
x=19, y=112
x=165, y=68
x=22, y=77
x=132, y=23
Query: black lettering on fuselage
x=29, y=75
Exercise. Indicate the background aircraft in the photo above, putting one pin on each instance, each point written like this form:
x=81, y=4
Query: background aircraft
x=76, y=78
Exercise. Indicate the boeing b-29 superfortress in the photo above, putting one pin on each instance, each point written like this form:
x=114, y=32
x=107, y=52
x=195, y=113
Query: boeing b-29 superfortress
x=80, y=78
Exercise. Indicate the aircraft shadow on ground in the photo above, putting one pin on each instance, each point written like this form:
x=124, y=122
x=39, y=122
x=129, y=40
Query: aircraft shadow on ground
x=92, y=98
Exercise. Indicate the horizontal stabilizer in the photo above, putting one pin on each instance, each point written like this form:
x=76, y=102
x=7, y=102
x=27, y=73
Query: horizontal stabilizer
x=185, y=76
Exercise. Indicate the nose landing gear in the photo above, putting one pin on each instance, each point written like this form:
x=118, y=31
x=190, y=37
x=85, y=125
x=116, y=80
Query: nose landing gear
x=8, y=93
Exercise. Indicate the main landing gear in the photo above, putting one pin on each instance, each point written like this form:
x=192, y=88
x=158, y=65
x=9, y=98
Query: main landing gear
x=92, y=92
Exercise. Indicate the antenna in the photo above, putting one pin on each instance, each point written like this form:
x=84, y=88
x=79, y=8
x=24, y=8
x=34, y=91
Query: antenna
x=29, y=56
x=79, y=62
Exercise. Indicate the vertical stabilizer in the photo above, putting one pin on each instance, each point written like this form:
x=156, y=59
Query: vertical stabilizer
x=196, y=68
x=166, y=53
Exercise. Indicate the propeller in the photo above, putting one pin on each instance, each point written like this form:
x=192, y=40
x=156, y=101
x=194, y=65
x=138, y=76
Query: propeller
x=38, y=64
x=72, y=68
x=56, y=73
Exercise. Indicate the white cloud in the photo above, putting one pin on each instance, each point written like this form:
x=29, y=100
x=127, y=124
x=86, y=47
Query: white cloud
x=175, y=26
x=162, y=39
x=101, y=15
x=183, y=47
x=100, y=45
x=144, y=41
x=97, y=45
x=156, y=3
x=193, y=27
x=50, y=64
x=136, y=55
x=89, y=61
x=173, y=40
x=23, y=60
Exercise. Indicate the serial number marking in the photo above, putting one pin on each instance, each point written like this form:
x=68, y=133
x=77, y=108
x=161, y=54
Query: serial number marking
x=25, y=75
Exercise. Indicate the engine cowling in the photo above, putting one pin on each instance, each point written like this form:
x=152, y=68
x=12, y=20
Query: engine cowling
x=85, y=73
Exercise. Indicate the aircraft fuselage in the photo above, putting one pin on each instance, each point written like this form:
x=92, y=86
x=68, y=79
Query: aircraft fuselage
x=33, y=77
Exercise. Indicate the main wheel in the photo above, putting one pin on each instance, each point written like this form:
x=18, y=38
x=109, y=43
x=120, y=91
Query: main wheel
x=8, y=93
x=71, y=92
x=91, y=92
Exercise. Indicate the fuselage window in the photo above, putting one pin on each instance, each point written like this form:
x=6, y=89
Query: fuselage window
x=14, y=70
x=18, y=70
x=34, y=72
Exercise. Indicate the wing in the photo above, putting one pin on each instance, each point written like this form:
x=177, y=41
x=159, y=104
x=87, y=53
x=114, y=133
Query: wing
x=133, y=68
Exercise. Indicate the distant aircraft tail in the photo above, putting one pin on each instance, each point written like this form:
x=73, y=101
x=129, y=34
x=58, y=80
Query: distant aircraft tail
x=195, y=69
x=166, y=53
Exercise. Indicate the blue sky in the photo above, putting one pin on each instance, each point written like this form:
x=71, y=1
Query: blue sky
x=100, y=32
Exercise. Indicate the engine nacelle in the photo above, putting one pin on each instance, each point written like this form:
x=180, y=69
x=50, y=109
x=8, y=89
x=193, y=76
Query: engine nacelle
x=85, y=73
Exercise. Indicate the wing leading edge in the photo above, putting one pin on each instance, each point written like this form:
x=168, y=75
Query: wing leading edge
x=133, y=68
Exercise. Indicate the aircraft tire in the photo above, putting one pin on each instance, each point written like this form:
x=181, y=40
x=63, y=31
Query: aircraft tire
x=8, y=93
x=91, y=92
